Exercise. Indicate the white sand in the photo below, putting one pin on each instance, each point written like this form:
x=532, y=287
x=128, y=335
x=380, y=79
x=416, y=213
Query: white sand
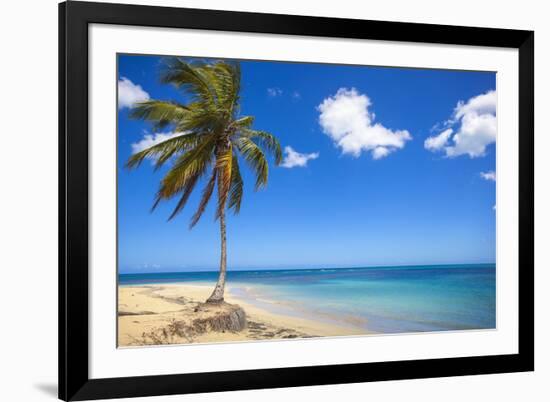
x=146, y=313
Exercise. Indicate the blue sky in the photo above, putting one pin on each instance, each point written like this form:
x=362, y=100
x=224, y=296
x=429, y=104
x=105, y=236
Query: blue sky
x=386, y=166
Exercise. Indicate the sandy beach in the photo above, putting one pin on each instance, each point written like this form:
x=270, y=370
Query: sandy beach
x=163, y=314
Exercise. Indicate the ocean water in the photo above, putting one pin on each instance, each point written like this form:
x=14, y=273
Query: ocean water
x=381, y=299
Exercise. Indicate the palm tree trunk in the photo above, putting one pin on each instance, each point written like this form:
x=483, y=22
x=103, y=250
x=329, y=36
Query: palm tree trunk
x=217, y=294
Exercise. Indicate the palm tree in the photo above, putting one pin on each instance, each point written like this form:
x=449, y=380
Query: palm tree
x=214, y=136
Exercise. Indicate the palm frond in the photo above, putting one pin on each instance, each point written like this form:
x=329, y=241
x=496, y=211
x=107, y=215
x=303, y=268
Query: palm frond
x=212, y=136
x=165, y=149
x=191, y=163
x=161, y=113
x=187, y=77
x=236, y=189
x=224, y=164
x=255, y=158
x=206, y=194
x=243, y=122
x=266, y=140
x=225, y=80
x=202, y=117
x=188, y=189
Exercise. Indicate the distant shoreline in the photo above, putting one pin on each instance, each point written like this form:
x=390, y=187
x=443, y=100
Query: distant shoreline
x=245, y=270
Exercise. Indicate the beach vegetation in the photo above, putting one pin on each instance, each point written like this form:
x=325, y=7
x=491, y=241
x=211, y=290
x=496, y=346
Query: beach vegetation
x=211, y=140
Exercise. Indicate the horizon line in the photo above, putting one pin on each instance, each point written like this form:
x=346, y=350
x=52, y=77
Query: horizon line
x=304, y=268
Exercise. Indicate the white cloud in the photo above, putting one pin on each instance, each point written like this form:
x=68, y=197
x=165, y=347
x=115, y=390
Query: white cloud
x=346, y=119
x=150, y=266
x=149, y=140
x=293, y=158
x=490, y=175
x=437, y=142
x=482, y=104
x=274, y=91
x=477, y=128
x=130, y=93
x=296, y=95
x=380, y=152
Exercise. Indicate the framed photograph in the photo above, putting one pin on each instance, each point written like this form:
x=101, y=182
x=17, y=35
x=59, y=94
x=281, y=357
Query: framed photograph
x=257, y=201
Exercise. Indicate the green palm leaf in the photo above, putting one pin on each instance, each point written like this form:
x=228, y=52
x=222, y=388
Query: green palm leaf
x=224, y=164
x=267, y=141
x=255, y=158
x=160, y=112
x=225, y=79
x=189, y=187
x=165, y=150
x=237, y=186
x=191, y=163
x=192, y=79
x=206, y=194
x=243, y=122
x=208, y=123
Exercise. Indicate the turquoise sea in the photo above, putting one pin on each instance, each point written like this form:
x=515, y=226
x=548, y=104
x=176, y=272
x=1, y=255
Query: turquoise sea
x=382, y=299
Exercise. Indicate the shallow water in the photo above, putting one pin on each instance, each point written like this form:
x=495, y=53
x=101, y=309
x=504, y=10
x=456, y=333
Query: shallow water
x=384, y=299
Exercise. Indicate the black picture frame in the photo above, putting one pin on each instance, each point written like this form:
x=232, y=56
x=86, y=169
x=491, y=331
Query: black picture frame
x=74, y=381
